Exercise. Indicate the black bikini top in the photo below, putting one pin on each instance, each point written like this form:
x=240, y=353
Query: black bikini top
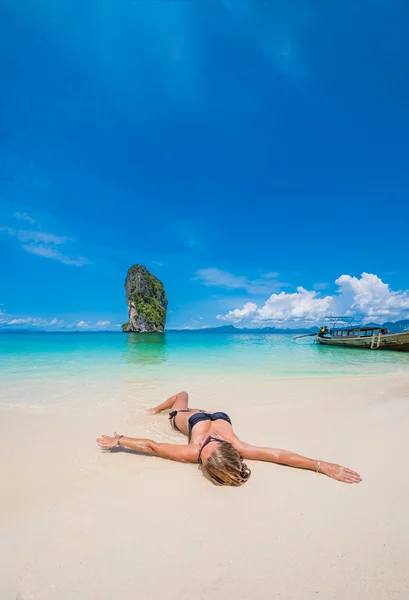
x=198, y=417
x=203, y=416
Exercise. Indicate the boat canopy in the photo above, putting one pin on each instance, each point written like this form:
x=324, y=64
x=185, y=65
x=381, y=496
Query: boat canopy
x=354, y=327
x=361, y=327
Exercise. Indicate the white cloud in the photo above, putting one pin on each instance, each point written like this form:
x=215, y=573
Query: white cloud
x=18, y=321
x=54, y=324
x=219, y=278
x=24, y=217
x=371, y=297
x=49, y=252
x=367, y=298
x=32, y=322
x=224, y=279
x=238, y=315
x=92, y=325
x=301, y=305
x=44, y=244
x=24, y=235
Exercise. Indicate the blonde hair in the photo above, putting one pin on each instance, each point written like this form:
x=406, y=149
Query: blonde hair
x=225, y=467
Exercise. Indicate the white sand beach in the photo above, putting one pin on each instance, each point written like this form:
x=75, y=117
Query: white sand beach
x=80, y=523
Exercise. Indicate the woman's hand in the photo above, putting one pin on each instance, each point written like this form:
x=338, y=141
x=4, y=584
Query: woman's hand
x=108, y=442
x=340, y=473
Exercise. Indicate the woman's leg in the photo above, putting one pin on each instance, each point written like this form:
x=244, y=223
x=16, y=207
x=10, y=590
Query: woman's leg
x=177, y=402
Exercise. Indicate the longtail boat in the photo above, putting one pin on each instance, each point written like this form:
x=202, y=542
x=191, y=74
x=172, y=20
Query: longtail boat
x=361, y=336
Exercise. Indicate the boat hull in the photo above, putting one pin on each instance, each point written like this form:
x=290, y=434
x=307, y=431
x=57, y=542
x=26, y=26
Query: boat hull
x=388, y=341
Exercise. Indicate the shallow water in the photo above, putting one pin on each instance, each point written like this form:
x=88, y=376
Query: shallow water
x=174, y=354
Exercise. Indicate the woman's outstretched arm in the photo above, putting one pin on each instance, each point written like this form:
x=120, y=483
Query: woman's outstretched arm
x=291, y=459
x=145, y=446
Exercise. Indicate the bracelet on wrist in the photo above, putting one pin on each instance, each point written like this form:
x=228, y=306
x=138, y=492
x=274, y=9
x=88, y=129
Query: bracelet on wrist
x=119, y=440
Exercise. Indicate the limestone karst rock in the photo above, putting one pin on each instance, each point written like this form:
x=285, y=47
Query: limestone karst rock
x=147, y=301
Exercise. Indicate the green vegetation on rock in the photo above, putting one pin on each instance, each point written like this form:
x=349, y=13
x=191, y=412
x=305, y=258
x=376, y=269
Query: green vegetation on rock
x=154, y=312
x=146, y=299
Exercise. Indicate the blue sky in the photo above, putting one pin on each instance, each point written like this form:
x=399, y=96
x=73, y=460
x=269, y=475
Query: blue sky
x=250, y=154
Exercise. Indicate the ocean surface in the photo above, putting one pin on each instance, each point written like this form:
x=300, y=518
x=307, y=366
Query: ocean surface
x=179, y=354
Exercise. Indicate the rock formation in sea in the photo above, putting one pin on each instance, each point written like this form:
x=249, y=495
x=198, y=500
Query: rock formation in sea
x=147, y=301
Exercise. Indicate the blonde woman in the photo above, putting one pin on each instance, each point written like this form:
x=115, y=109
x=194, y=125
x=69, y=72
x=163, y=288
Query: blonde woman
x=213, y=443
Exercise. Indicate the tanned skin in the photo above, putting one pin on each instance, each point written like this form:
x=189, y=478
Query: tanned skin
x=221, y=429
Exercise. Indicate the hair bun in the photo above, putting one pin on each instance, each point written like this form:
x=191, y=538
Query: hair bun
x=245, y=471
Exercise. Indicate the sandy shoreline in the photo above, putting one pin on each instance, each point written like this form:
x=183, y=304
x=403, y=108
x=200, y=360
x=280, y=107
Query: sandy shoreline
x=79, y=523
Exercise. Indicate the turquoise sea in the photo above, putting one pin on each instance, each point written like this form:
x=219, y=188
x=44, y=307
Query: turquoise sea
x=174, y=354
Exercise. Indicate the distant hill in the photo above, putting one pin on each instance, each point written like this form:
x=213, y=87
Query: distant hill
x=398, y=326
x=233, y=329
x=11, y=330
x=68, y=331
x=392, y=327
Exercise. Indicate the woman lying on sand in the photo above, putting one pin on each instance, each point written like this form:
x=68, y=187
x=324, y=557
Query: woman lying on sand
x=213, y=443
